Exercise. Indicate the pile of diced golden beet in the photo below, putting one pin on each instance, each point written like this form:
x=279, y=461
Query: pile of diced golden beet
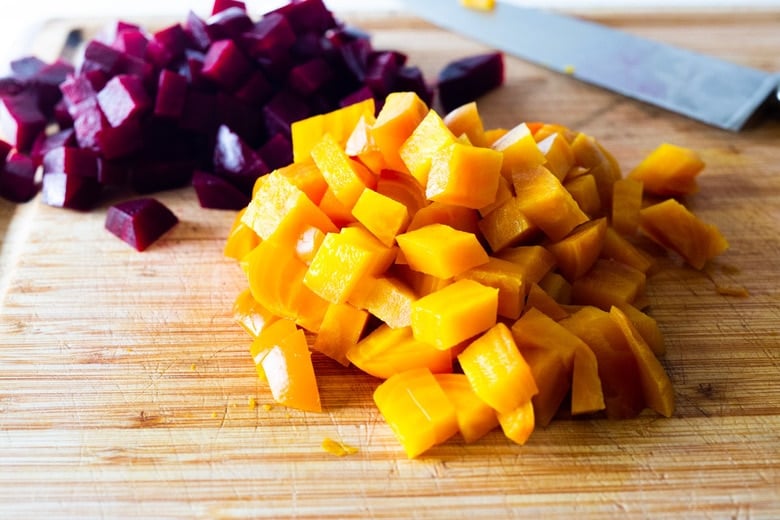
x=487, y=277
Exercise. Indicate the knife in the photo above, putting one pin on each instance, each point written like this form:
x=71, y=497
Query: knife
x=714, y=91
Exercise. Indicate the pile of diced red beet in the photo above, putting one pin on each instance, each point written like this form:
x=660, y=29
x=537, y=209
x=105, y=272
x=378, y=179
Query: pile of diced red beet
x=207, y=102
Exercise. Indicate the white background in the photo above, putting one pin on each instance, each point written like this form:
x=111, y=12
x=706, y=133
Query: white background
x=18, y=23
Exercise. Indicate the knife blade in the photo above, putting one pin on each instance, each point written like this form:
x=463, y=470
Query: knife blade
x=711, y=90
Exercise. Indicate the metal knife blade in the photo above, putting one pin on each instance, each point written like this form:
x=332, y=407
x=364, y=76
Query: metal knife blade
x=705, y=88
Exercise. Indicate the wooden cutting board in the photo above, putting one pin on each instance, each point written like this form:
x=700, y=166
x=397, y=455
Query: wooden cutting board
x=126, y=389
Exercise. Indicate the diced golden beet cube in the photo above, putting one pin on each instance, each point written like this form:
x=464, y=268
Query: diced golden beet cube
x=589, y=154
x=559, y=289
x=290, y=373
x=553, y=379
x=241, y=238
x=346, y=177
x=576, y=253
x=617, y=366
x=341, y=328
x=455, y=313
x=497, y=371
x=669, y=170
x=339, y=123
x=423, y=144
x=465, y=120
x=271, y=335
x=535, y=261
x=402, y=187
x=338, y=266
x=584, y=191
x=440, y=250
x=280, y=208
x=656, y=386
x=539, y=299
x=586, y=392
x=475, y=416
x=422, y=284
x=252, y=316
x=457, y=217
x=518, y=424
x=505, y=276
x=417, y=410
x=520, y=150
x=387, y=298
x=396, y=121
x=558, y=154
x=361, y=146
x=381, y=215
x=507, y=225
x=647, y=328
x=608, y=283
x=308, y=243
x=503, y=194
x=337, y=212
x=383, y=256
x=388, y=351
x=464, y=175
x=494, y=134
x=626, y=203
x=617, y=247
x=673, y=226
x=545, y=130
x=307, y=177
x=546, y=203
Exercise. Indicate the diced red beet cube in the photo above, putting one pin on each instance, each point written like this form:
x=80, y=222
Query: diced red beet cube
x=47, y=143
x=167, y=45
x=111, y=173
x=200, y=112
x=26, y=67
x=276, y=152
x=282, y=110
x=269, y=35
x=360, y=94
x=308, y=77
x=308, y=45
x=101, y=56
x=11, y=86
x=242, y=118
x=228, y=23
x=237, y=162
x=123, y=97
x=148, y=175
x=71, y=160
x=111, y=31
x=77, y=88
x=308, y=15
x=216, y=193
x=70, y=191
x=88, y=121
x=256, y=90
x=198, y=37
x=5, y=149
x=21, y=120
x=114, y=142
x=171, y=94
x=411, y=79
x=226, y=65
x=192, y=69
x=355, y=55
x=221, y=5
x=132, y=42
x=62, y=115
x=46, y=84
x=464, y=80
x=140, y=222
x=381, y=72
x=17, y=178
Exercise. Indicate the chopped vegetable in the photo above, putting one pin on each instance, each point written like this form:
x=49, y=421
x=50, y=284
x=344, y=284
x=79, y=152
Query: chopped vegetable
x=487, y=276
x=140, y=222
x=465, y=79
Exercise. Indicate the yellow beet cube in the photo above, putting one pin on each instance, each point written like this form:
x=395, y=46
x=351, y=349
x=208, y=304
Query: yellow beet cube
x=464, y=175
x=455, y=313
x=520, y=150
x=429, y=136
x=440, y=250
x=381, y=215
x=346, y=177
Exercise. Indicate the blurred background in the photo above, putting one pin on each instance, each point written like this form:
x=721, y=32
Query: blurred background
x=19, y=26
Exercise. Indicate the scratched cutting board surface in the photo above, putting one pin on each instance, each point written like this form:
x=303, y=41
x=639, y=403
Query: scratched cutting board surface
x=125, y=385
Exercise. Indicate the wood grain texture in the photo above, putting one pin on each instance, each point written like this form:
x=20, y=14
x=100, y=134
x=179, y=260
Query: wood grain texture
x=125, y=386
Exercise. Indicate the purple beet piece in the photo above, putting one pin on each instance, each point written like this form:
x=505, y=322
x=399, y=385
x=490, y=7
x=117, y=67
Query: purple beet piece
x=11, y=86
x=111, y=173
x=192, y=69
x=21, y=120
x=46, y=84
x=308, y=15
x=140, y=222
x=195, y=29
x=110, y=32
x=77, y=88
x=242, y=118
x=228, y=23
x=464, y=80
x=70, y=191
x=120, y=141
x=282, y=110
x=410, y=79
x=47, y=143
x=221, y=5
x=226, y=65
x=216, y=193
x=122, y=99
x=268, y=36
x=308, y=45
x=381, y=72
x=150, y=175
x=236, y=161
x=100, y=56
x=26, y=67
x=62, y=115
x=360, y=94
x=310, y=76
x=200, y=112
x=88, y=121
x=256, y=90
x=17, y=178
x=71, y=160
x=167, y=45
x=171, y=94
x=355, y=55
x=145, y=70
x=132, y=42
x=5, y=149
x=276, y=152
